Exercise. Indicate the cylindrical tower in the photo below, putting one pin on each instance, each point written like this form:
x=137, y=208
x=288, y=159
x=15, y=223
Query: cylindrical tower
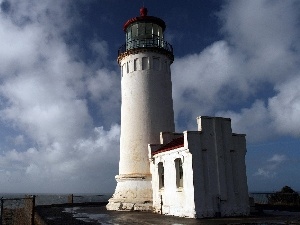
x=147, y=107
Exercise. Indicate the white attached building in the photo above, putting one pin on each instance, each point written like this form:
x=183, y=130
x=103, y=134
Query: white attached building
x=200, y=173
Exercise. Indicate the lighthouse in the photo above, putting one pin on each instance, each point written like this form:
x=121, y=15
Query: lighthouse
x=146, y=109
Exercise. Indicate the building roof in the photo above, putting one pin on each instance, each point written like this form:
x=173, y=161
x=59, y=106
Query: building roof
x=175, y=143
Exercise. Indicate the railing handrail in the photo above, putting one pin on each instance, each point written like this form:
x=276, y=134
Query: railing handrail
x=146, y=43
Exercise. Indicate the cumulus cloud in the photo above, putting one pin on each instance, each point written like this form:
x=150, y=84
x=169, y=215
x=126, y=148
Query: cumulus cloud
x=269, y=170
x=79, y=167
x=45, y=96
x=254, y=121
x=277, y=158
x=285, y=107
x=104, y=90
x=251, y=76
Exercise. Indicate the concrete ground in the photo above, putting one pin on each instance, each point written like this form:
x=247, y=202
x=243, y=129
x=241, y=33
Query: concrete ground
x=78, y=214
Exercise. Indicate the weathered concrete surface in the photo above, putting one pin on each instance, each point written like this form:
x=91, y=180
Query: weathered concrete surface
x=133, y=192
x=79, y=214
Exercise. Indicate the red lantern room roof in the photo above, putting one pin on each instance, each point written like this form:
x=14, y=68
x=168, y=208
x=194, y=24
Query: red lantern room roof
x=144, y=18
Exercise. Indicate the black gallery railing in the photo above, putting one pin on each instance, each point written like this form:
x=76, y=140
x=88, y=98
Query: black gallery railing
x=146, y=43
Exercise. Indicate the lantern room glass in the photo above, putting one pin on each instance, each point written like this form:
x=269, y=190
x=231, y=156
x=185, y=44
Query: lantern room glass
x=142, y=34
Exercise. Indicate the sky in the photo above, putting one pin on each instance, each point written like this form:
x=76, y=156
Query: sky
x=60, y=86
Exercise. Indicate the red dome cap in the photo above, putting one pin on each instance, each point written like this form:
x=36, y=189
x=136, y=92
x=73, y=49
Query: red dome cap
x=145, y=18
x=143, y=11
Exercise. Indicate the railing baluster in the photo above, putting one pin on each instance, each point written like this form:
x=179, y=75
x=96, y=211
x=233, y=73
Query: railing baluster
x=145, y=43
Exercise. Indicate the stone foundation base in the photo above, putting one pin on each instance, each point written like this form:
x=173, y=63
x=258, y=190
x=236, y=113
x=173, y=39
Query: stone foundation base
x=125, y=206
x=133, y=192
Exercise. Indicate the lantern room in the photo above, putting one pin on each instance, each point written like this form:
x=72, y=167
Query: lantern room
x=145, y=32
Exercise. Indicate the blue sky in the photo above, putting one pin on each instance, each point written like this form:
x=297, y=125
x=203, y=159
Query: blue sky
x=60, y=86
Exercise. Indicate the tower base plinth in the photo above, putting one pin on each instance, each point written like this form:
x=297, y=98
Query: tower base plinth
x=133, y=192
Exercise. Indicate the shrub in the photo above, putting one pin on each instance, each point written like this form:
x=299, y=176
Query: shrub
x=287, y=196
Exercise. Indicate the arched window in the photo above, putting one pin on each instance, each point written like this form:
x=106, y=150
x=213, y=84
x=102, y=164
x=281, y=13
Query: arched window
x=179, y=173
x=161, y=175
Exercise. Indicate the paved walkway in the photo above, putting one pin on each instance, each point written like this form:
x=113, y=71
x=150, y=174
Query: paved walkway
x=83, y=214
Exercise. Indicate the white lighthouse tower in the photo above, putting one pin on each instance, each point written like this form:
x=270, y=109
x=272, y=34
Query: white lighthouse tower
x=147, y=107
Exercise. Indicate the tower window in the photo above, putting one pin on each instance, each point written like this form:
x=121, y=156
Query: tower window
x=145, y=63
x=165, y=66
x=161, y=175
x=123, y=69
x=127, y=67
x=179, y=173
x=135, y=64
x=156, y=63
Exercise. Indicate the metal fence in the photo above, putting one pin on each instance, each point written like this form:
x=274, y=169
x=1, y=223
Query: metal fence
x=84, y=198
x=276, y=198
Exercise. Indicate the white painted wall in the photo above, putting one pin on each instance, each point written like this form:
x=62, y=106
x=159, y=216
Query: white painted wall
x=170, y=199
x=223, y=158
x=146, y=110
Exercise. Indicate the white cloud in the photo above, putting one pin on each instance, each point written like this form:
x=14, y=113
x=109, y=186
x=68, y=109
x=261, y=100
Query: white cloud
x=266, y=33
x=45, y=93
x=277, y=158
x=254, y=121
x=229, y=78
x=271, y=167
x=265, y=173
x=203, y=82
x=105, y=93
x=285, y=107
x=74, y=165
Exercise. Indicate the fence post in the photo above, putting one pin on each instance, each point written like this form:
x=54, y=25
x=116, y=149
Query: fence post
x=1, y=217
x=32, y=209
x=70, y=198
